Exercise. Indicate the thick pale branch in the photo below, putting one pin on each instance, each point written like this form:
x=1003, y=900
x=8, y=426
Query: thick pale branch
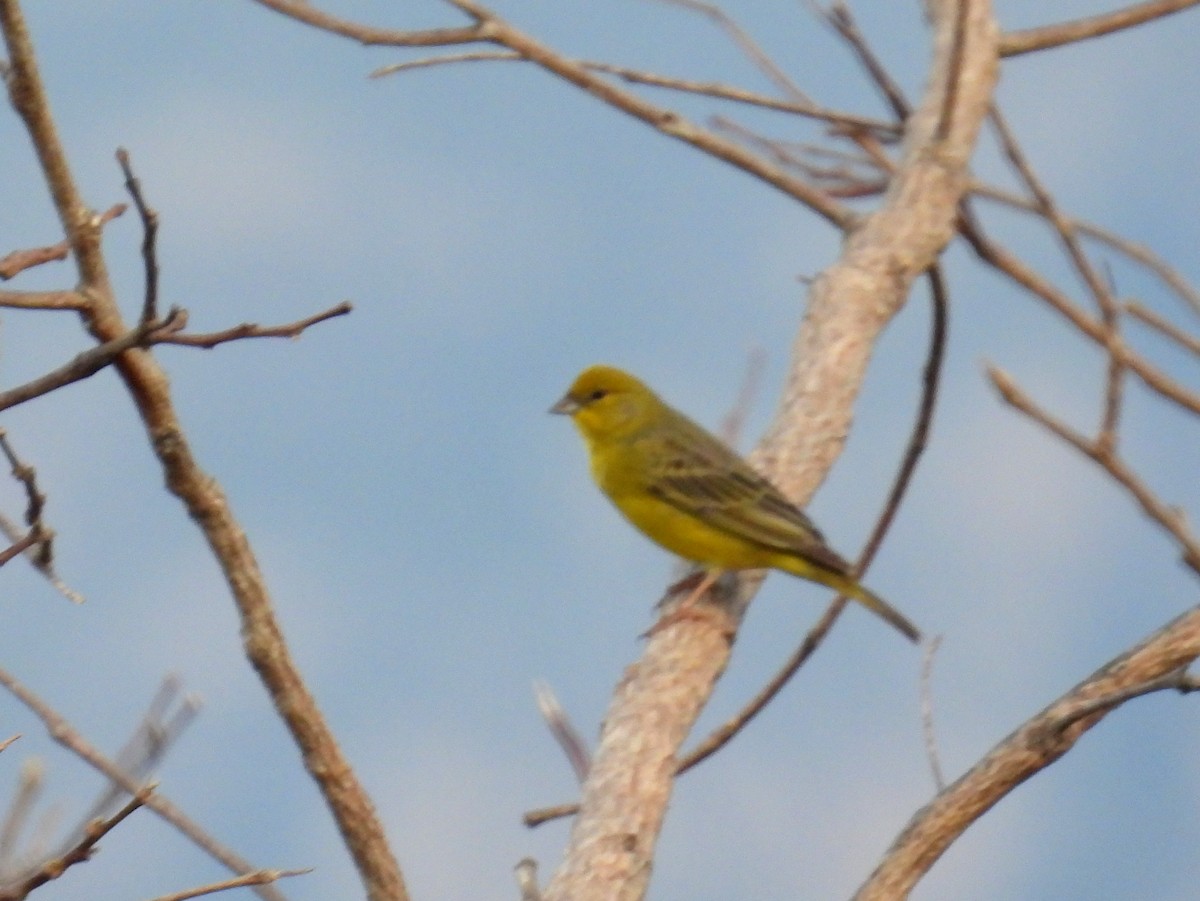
x=624, y=798
x=1032, y=747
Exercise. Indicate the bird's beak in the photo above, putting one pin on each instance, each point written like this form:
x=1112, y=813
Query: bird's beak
x=567, y=406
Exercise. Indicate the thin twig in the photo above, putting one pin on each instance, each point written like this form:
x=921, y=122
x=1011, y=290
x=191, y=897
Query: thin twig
x=1169, y=518
x=927, y=727
x=1098, y=287
x=426, y=62
x=1006, y=262
x=94, y=360
x=20, y=546
x=931, y=380
x=160, y=727
x=295, y=329
x=149, y=218
x=491, y=28
x=35, y=504
x=1148, y=317
x=731, y=426
x=1017, y=42
x=713, y=89
x=20, y=260
x=13, y=533
x=1139, y=253
x=842, y=21
x=560, y=726
x=20, y=809
x=64, y=734
x=199, y=493
x=749, y=47
x=258, y=877
x=43, y=300
x=52, y=869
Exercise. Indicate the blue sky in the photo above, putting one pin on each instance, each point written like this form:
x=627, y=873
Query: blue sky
x=430, y=535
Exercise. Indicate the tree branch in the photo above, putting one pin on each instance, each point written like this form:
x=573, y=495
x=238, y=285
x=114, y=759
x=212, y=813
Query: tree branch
x=1033, y=746
x=1014, y=43
x=206, y=503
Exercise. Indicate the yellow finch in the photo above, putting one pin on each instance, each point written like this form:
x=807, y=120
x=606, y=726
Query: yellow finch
x=686, y=490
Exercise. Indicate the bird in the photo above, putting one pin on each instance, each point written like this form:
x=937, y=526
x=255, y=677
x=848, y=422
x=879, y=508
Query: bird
x=686, y=490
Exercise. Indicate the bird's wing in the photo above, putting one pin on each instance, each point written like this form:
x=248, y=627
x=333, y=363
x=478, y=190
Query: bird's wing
x=700, y=476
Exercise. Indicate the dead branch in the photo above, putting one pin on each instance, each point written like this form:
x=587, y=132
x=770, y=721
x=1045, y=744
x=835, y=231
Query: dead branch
x=52, y=869
x=258, y=877
x=20, y=260
x=68, y=737
x=1035, y=744
x=1014, y=43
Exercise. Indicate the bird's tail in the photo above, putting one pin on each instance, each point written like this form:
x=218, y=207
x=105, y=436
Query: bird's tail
x=877, y=605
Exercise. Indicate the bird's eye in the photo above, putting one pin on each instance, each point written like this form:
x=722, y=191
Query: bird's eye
x=597, y=394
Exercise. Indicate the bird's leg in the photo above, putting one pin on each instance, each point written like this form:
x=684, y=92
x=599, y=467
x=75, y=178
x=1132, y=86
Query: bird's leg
x=701, y=581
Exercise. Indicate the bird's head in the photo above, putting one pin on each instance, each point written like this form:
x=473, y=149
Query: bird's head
x=608, y=403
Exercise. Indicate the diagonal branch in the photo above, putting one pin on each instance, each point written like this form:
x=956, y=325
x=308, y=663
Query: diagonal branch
x=1034, y=745
x=1014, y=43
x=491, y=28
x=65, y=734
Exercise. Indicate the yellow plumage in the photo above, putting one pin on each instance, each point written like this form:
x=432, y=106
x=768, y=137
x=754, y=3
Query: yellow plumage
x=691, y=494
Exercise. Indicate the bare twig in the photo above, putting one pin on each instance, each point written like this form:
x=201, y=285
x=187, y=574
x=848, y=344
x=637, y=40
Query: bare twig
x=493, y=29
x=1014, y=43
x=201, y=495
x=842, y=21
x=258, y=877
x=1033, y=746
x=427, y=62
x=749, y=47
x=927, y=727
x=735, y=419
x=1139, y=253
x=1147, y=316
x=526, y=874
x=43, y=300
x=994, y=254
x=1168, y=517
x=560, y=727
x=20, y=260
x=35, y=505
x=161, y=725
x=64, y=734
x=13, y=533
x=92, y=361
x=1134, y=251
x=1180, y=680
x=805, y=108
x=20, y=809
x=80, y=852
x=295, y=329
x=931, y=380
x=149, y=218
x=1098, y=287
x=20, y=546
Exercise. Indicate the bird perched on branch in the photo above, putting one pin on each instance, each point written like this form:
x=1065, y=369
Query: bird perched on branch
x=687, y=491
